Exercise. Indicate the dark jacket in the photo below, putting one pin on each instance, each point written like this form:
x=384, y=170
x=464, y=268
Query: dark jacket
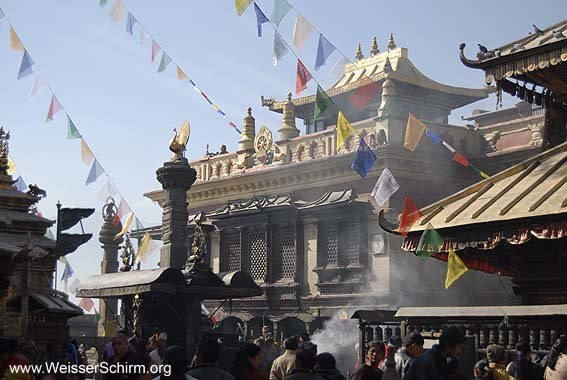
x=302, y=374
x=330, y=374
x=403, y=363
x=431, y=365
x=365, y=372
x=209, y=372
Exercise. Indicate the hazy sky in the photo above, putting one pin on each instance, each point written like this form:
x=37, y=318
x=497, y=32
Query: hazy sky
x=126, y=111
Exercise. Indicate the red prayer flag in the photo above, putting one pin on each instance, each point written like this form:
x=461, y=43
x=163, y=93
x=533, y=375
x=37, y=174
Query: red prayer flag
x=86, y=303
x=303, y=76
x=410, y=215
x=362, y=95
x=459, y=158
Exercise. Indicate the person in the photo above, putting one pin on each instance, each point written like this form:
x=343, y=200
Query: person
x=285, y=363
x=156, y=356
x=305, y=360
x=556, y=364
x=432, y=365
x=9, y=356
x=480, y=369
x=523, y=368
x=269, y=352
x=369, y=369
x=304, y=337
x=247, y=363
x=124, y=356
x=412, y=347
x=497, y=359
x=326, y=367
x=206, y=363
x=175, y=358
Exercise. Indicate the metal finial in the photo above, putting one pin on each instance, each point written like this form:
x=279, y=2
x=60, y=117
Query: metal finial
x=387, y=66
x=289, y=96
x=249, y=111
x=391, y=43
x=374, y=48
x=359, y=54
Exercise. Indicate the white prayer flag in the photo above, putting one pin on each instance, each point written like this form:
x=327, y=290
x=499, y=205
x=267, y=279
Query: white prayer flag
x=38, y=84
x=280, y=48
x=76, y=284
x=301, y=31
x=385, y=187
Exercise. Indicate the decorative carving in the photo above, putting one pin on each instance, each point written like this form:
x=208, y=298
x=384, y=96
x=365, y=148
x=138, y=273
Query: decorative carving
x=178, y=142
x=263, y=141
x=36, y=192
x=109, y=210
x=4, y=151
x=127, y=255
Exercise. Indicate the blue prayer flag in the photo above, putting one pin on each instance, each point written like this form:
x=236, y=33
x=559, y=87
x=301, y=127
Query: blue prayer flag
x=130, y=24
x=20, y=184
x=26, y=66
x=68, y=272
x=260, y=18
x=433, y=137
x=364, y=159
x=324, y=51
x=96, y=171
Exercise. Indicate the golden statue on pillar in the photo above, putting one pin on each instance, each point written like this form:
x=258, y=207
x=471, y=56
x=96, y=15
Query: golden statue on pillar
x=178, y=143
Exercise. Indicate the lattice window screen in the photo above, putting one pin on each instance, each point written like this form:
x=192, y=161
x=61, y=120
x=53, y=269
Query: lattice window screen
x=332, y=244
x=232, y=252
x=286, y=254
x=350, y=245
x=258, y=249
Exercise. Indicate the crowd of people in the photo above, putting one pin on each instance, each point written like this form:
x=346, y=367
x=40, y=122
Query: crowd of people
x=298, y=359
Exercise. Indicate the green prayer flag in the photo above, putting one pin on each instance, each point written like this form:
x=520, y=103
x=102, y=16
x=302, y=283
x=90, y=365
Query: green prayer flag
x=102, y=3
x=72, y=132
x=165, y=60
x=429, y=243
x=322, y=102
x=139, y=224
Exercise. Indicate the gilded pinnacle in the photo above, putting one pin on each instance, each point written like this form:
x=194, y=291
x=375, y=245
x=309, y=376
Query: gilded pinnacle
x=374, y=48
x=391, y=43
x=359, y=54
x=249, y=111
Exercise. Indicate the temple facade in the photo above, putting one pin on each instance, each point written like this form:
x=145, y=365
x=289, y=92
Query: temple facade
x=289, y=210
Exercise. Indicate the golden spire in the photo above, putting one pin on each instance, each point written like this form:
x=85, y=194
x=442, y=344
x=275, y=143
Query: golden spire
x=391, y=43
x=374, y=48
x=359, y=54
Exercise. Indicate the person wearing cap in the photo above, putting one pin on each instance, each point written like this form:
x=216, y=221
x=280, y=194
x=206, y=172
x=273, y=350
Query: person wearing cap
x=496, y=355
x=285, y=363
x=156, y=356
x=412, y=347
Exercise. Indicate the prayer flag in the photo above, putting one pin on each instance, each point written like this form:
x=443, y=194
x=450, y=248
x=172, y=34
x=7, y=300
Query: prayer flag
x=123, y=209
x=303, y=76
x=26, y=67
x=455, y=268
x=102, y=3
x=385, y=187
x=49, y=234
x=146, y=249
x=2, y=15
x=20, y=184
x=364, y=159
x=324, y=51
x=68, y=272
x=143, y=37
x=117, y=11
x=86, y=303
x=87, y=155
x=76, y=284
x=95, y=172
x=362, y=95
x=130, y=24
x=414, y=130
x=165, y=60
x=15, y=42
x=180, y=74
x=322, y=102
x=429, y=243
x=11, y=166
x=344, y=129
x=54, y=107
x=281, y=8
x=260, y=19
x=280, y=48
x=460, y=159
x=302, y=29
x=241, y=6
x=451, y=149
x=107, y=190
x=72, y=131
x=38, y=85
x=338, y=68
x=410, y=215
x=155, y=50
x=433, y=137
x=125, y=226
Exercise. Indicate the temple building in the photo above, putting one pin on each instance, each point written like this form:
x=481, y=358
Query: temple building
x=290, y=211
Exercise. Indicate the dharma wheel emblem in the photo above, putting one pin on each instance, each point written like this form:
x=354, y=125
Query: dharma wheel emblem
x=263, y=141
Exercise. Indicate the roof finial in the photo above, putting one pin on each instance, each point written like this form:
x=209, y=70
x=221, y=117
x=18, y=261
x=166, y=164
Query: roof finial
x=249, y=111
x=374, y=48
x=289, y=96
x=359, y=54
x=391, y=43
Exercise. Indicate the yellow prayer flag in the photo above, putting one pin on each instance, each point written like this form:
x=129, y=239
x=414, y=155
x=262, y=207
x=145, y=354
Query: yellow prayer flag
x=455, y=268
x=146, y=249
x=180, y=74
x=241, y=6
x=86, y=154
x=344, y=130
x=126, y=226
x=15, y=43
x=117, y=11
x=11, y=165
x=414, y=131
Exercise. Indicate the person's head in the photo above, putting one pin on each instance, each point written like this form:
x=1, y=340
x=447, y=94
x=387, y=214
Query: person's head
x=413, y=344
x=325, y=361
x=175, y=357
x=246, y=358
x=269, y=338
x=375, y=353
x=524, y=351
x=291, y=343
x=208, y=351
x=265, y=330
x=558, y=348
x=120, y=343
x=304, y=337
x=496, y=353
x=162, y=341
x=306, y=356
x=451, y=342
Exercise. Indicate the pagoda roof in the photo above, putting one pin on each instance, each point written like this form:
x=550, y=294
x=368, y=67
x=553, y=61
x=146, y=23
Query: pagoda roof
x=393, y=64
x=540, y=50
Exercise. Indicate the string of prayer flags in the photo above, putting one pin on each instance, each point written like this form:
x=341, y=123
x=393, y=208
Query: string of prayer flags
x=117, y=11
x=324, y=51
x=385, y=187
x=2, y=15
x=280, y=48
x=364, y=159
x=181, y=74
x=410, y=215
x=72, y=131
x=76, y=284
x=143, y=37
x=125, y=226
x=130, y=24
x=260, y=19
x=38, y=84
x=165, y=60
x=15, y=42
x=86, y=303
x=20, y=184
x=455, y=268
x=322, y=102
x=338, y=68
x=54, y=107
x=363, y=95
x=106, y=191
x=95, y=172
x=429, y=243
x=344, y=130
x=281, y=8
x=433, y=137
x=68, y=272
x=303, y=76
x=155, y=50
x=146, y=249
x=302, y=29
x=123, y=209
x=460, y=159
x=480, y=172
x=241, y=6
x=102, y=3
x=87, y=155
x=414, y=131
x=26, y=67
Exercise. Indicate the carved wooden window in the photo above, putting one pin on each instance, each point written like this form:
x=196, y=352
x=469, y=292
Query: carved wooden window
x=349, y=243
x=339, y=243
x=258, y=248
x=286, y=254
x=332, y=244
x=232, y=255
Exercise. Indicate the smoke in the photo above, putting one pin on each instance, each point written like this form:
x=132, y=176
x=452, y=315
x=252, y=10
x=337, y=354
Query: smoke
x=339, y=337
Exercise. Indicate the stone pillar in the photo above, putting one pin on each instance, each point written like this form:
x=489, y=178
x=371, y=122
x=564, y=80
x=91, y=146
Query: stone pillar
x=288, y=129
x=176, y=177
x=248, y=132
x=108, y=311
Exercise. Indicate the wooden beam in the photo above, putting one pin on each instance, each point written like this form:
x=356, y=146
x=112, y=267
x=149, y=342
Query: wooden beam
x=461, y=208
x=548, y=194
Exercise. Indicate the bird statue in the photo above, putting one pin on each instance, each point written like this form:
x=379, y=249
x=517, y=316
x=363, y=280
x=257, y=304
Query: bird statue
x=558, y=34
x=178, y=142
x=537, y=30
x=482, y=48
